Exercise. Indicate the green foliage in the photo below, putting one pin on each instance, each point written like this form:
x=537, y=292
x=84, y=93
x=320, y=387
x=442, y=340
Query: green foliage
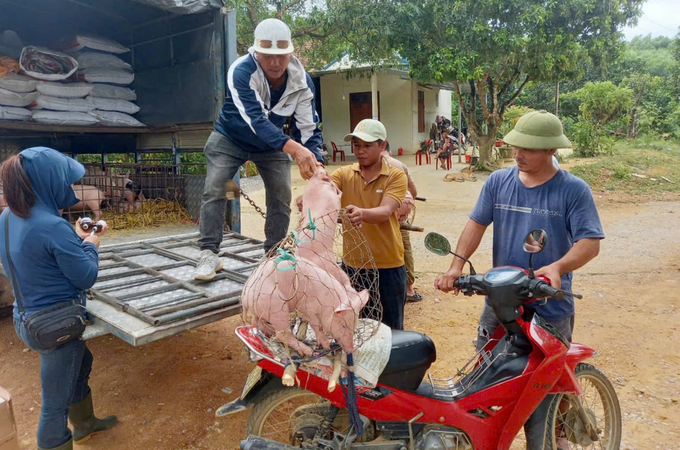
x=493, y=47
x=602, y=102
x=193, y=163
x=317, y=36
x=589, y=140
x=649, y=66
x=512, y=115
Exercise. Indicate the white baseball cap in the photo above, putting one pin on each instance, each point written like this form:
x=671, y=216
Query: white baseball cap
x=272, y=37
x=368, y=130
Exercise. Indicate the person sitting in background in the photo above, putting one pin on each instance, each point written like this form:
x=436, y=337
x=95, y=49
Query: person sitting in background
x=445, y=150
x=51, y=263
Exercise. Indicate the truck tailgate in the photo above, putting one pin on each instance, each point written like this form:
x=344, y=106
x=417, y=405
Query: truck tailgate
x=145, y=290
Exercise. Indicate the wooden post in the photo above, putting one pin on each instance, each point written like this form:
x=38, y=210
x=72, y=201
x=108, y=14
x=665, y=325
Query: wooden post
x=374, y=96
x=557, y=97
x=460, y=131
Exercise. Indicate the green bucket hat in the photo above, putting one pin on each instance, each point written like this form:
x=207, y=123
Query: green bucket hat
x=538, y=130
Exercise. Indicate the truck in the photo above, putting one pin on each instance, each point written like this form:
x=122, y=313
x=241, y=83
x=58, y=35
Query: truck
x=180, y=52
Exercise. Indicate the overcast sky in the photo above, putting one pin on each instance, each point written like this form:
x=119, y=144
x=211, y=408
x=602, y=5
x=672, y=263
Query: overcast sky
x=659, y=18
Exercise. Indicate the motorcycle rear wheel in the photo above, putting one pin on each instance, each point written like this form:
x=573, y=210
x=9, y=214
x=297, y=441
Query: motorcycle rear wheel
x=599, y=397
x=277, y=417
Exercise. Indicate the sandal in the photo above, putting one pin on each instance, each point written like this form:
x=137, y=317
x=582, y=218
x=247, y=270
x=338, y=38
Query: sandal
x=414, y=298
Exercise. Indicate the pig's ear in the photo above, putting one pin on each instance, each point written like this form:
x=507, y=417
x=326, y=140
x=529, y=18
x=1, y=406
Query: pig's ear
x=359, y=300
x=364, y=296
x=343, y=306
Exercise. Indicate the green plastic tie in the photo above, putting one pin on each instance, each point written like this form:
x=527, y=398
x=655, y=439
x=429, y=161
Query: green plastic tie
x=297, y=238
x=311, y=225
x=285, y=255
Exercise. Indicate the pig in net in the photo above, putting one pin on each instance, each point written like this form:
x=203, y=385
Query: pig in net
x=316, y=292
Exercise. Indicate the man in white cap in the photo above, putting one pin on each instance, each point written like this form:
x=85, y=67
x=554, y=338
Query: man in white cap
x=372, y=191
x=265, y=87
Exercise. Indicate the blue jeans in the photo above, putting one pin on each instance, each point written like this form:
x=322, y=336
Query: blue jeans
x=64, y=375
x=223, y=159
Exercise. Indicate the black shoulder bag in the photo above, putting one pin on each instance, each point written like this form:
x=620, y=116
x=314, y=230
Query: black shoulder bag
x=52, y=326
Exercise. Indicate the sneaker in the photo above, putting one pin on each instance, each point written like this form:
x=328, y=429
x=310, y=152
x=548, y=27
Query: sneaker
x=207, y=266
x=416, y=297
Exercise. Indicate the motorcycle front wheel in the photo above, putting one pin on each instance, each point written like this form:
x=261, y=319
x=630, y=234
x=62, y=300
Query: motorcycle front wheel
x=565, y=431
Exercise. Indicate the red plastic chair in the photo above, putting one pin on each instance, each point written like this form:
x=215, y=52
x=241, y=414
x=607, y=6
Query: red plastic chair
x=419, y=155
x=335, y=150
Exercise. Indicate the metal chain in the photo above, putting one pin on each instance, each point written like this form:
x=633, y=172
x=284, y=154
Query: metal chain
x=252, y=203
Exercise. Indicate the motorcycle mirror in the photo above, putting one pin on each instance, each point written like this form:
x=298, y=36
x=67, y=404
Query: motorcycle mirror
x=535, y=241
x=438, y=244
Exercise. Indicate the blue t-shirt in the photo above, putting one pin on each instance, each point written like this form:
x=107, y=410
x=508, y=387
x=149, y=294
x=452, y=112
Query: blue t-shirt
x=562, y=206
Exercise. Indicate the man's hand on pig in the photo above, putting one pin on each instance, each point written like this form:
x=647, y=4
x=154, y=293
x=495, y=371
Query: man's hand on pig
x=355, y=215
x=324, y=174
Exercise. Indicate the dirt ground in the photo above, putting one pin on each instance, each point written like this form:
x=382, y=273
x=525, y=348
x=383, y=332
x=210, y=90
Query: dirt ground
x=165, y=393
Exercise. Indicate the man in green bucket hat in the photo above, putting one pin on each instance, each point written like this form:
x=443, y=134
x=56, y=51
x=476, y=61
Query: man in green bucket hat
x=534, y=194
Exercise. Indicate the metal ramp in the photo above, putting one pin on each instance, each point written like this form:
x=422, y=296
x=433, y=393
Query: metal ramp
x=145, y=290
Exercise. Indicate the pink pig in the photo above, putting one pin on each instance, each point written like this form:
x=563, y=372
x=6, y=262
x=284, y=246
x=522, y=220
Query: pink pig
x=272, y=293
x=321, y=201
x=90, y=198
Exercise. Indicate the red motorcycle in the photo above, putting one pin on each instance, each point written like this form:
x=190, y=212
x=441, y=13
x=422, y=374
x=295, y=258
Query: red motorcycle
x=484, y=407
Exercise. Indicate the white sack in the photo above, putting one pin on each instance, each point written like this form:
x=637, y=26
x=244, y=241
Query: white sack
x=64, y=118
x=11, y=113
x=63, y=104
x=116, y=119
x=111, y=91
x=65, y=90
x=45, y=64
x=18, y=99
x=79, y=42
x=111, y=104
x=18, y=83
x=106, y=76
x=90, y=60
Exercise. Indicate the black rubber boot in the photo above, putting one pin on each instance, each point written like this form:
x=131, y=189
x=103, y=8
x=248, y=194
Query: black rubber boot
x=67, y=446
x=85, y=424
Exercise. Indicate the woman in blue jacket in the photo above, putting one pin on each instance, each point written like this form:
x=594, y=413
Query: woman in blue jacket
x=53, y=263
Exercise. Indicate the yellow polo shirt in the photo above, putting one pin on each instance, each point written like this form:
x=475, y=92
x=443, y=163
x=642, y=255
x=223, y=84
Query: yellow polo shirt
x=383, y=239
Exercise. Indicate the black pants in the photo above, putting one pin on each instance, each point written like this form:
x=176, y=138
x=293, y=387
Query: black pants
x=391, y=292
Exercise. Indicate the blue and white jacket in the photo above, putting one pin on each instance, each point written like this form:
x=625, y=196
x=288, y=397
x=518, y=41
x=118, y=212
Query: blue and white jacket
x=248, y=118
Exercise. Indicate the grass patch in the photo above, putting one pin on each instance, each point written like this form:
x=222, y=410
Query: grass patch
x=652, y=159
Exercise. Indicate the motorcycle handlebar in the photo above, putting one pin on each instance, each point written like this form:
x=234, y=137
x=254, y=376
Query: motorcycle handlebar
x=550, y=291
x=469, y=285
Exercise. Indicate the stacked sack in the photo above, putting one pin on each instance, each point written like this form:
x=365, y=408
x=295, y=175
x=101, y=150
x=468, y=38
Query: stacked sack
x=16, y=91
x=108, y=75
x=99, y=96
x=57, y=102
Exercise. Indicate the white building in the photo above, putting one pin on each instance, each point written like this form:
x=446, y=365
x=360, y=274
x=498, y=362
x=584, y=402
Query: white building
x=405, y=106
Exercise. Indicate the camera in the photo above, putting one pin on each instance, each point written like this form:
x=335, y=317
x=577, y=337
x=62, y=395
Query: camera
x=88, y=224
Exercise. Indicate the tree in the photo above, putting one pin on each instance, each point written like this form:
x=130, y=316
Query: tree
x=494, y=47
x=317, y=37
x=601, y=104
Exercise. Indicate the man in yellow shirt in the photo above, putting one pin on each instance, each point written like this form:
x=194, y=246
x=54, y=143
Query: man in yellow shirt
x=372, y=191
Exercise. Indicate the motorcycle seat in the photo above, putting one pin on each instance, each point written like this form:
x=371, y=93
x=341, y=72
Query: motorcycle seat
x=411, y=356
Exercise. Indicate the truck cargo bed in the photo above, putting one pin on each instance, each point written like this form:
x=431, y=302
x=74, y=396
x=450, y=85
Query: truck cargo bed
x=145, y=291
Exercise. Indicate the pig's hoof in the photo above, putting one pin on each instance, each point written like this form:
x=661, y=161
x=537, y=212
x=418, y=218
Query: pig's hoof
x=288, y=378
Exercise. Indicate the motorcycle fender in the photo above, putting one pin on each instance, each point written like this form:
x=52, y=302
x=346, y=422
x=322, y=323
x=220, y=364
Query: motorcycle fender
x=568, y=381
x=259, y=384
